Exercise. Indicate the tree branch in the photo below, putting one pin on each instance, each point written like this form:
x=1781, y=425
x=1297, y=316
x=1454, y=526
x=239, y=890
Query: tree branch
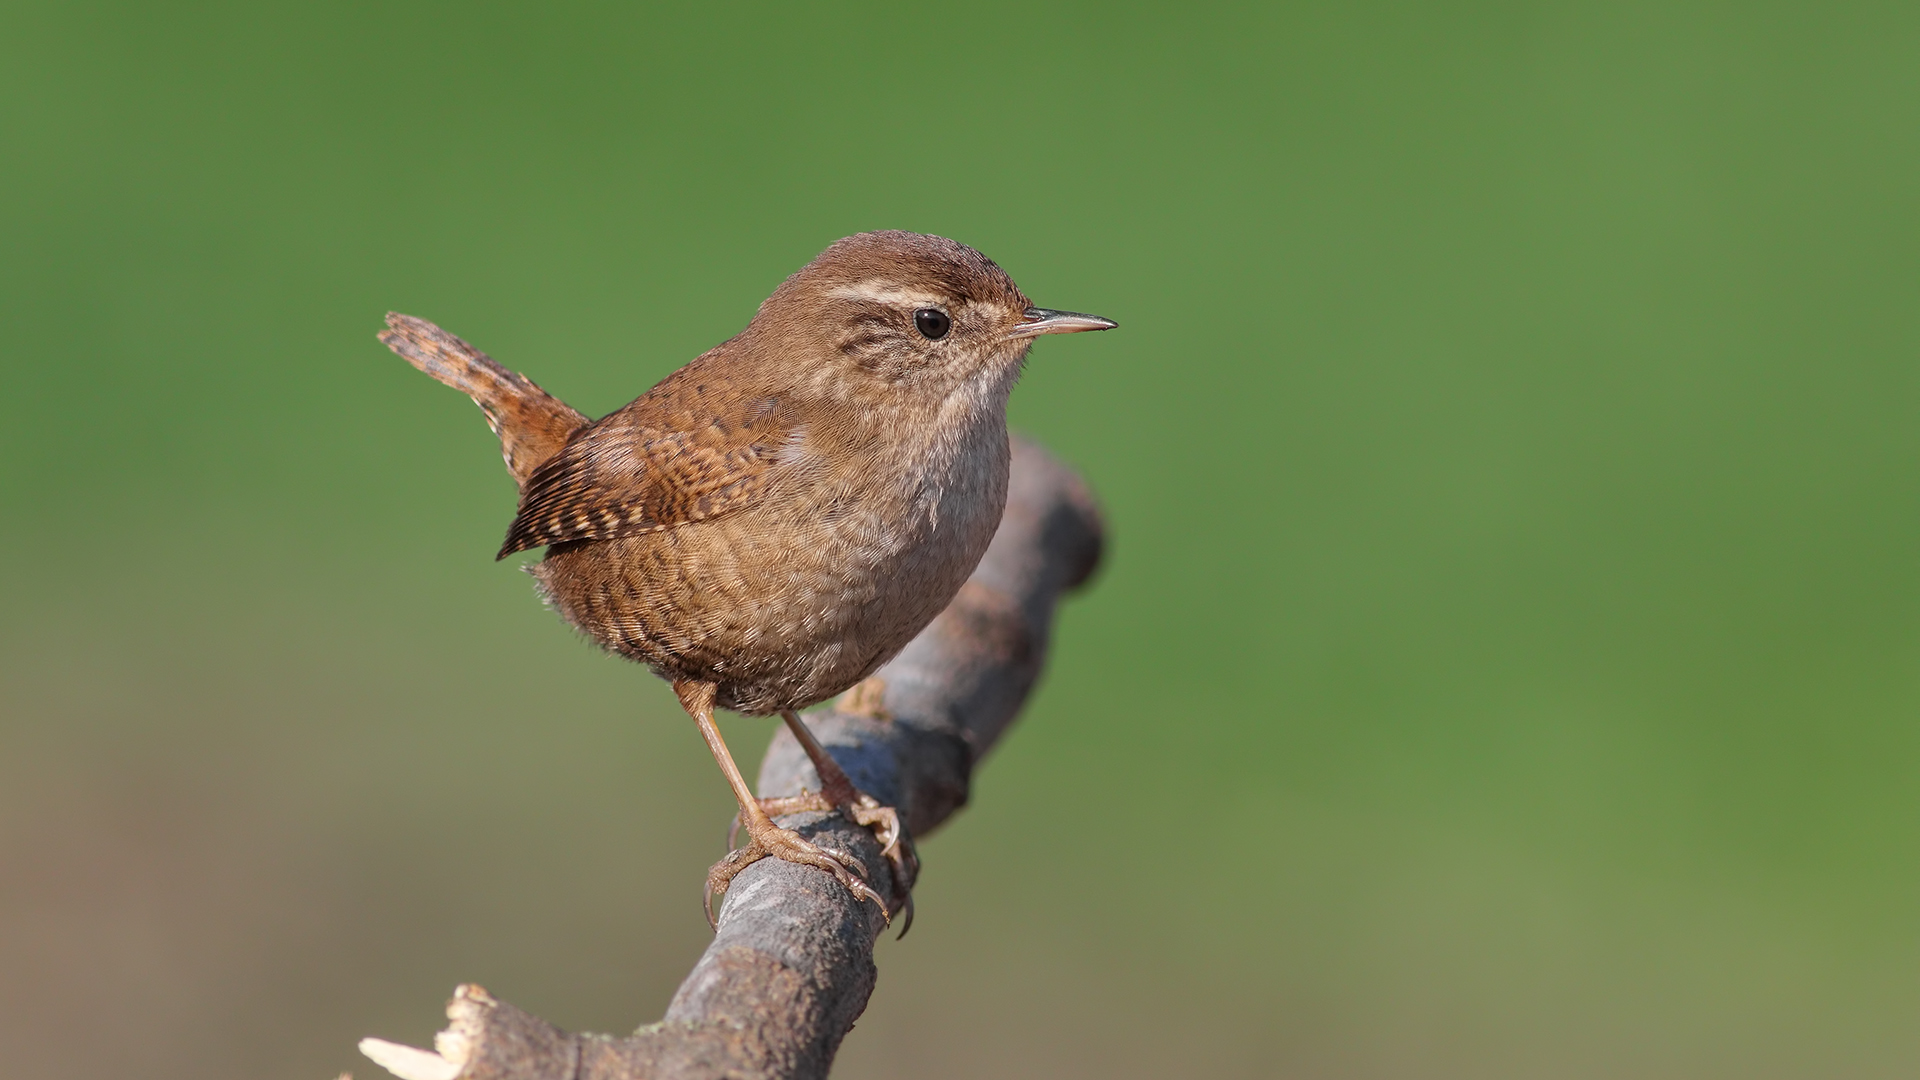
x=791, y=967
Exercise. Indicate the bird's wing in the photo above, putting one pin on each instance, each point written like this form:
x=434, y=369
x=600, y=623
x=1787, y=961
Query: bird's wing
x=676, y=455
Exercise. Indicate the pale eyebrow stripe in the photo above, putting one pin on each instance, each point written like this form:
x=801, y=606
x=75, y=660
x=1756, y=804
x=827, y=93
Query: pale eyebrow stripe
x=881, y=292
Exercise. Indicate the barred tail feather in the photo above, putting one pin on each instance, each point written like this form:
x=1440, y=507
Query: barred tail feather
x=532, y=424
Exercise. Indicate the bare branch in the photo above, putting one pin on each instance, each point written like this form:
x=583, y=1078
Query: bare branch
x=791, y=967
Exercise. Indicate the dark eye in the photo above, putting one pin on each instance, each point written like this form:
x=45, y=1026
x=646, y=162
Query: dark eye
x=933, y=323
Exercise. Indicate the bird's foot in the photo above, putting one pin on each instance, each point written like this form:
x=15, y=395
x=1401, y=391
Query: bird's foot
x=765, y=838
x=864, y=810
x=895, y=844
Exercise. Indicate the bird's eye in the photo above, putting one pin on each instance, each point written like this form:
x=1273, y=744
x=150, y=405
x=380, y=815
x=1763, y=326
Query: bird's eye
x=933, y=323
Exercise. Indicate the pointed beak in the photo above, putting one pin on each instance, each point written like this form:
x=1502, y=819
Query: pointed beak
x=1039, y=320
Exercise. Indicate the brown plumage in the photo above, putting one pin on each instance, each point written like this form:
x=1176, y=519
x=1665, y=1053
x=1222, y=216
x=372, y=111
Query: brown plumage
x=777, y=519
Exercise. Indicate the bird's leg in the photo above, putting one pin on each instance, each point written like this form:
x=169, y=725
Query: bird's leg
x=764, y=838
x=838, y=793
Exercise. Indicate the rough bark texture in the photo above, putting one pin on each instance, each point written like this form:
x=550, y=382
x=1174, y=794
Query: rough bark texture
x=791, y=967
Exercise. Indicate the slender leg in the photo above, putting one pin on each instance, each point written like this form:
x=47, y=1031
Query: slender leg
x=838, y=793
x=764, y=838
x=838, y=788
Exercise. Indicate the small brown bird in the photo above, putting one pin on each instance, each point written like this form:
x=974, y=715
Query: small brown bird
x=777, y=519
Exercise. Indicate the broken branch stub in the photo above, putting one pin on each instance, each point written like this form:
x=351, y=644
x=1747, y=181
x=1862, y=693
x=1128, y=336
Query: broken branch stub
x=791, y=966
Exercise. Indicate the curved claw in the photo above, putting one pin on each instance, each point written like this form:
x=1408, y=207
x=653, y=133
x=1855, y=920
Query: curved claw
x=868, y=812
x=853, y=874
x=906, y=921
x=895, y=845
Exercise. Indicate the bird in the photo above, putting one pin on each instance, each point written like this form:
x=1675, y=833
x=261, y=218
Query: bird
x=771, y=523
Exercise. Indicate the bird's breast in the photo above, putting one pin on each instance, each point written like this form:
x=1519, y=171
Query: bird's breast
x=822, y=579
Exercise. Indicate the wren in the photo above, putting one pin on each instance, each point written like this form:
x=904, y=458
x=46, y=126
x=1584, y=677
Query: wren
x=777, y=519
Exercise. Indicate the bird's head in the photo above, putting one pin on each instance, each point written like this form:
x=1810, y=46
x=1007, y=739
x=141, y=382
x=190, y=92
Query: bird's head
x=912, y=311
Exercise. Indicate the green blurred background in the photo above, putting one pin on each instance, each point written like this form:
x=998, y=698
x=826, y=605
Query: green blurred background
x=1505, y=665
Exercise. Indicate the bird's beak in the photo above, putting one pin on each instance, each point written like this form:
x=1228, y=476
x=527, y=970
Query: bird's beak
x=1039, y=320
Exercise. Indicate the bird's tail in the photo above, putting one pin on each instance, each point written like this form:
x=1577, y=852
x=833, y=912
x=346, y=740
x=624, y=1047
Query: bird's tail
x=532, y=424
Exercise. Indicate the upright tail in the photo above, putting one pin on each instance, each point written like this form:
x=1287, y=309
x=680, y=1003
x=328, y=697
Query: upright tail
x=532, y=424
